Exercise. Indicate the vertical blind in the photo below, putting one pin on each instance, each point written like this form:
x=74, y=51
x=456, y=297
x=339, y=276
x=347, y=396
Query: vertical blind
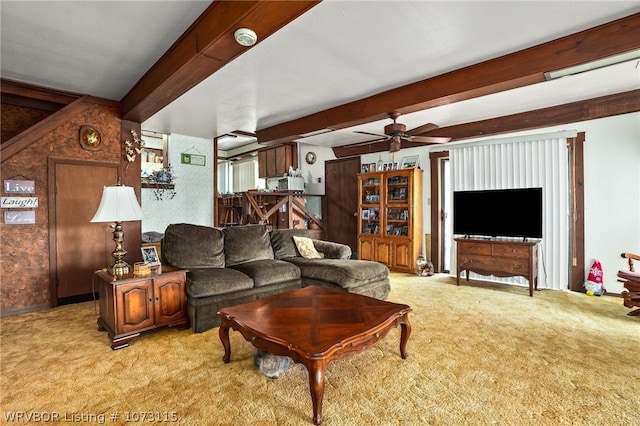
x=244, y=175
x=523, y=164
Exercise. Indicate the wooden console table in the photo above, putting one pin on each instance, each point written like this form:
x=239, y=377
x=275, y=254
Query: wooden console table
x=501, y=258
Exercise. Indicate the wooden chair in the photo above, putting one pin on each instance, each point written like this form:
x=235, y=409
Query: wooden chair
x=631, y=281
x=232, y=216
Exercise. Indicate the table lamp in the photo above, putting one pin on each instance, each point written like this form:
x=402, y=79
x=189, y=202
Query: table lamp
x=119, y=204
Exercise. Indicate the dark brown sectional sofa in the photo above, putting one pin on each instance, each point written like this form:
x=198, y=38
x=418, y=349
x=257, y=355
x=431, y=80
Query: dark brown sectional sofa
x=228, y=266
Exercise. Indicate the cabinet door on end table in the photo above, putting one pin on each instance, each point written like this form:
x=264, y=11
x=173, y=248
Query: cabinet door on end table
x=134, y=306
x=170, y=298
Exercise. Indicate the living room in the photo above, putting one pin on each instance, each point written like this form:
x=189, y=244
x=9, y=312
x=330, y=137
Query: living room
x=611, y=210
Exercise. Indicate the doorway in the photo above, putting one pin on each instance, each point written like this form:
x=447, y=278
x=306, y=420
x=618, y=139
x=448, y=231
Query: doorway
x=446, y=215
x=78, y=247
x=342, y=201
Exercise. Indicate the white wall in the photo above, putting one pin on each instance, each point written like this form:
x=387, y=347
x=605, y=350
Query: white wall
x=193, y=202
x=315, y=171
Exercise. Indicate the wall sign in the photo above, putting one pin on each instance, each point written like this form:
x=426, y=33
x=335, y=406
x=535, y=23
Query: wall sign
x=19, y=202
x=193, y=159
x=19, y=186
x=23, y=217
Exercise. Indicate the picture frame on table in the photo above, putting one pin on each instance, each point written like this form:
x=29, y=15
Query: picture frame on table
x=410, y=162
x=150, y=255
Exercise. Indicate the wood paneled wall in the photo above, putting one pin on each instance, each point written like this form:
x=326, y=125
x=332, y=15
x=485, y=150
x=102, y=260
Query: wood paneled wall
x=24, y=254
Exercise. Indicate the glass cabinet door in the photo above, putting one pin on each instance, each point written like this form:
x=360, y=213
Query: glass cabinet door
x=369, y=222
x=397, y=188
x=397, y=221
x=397, y=207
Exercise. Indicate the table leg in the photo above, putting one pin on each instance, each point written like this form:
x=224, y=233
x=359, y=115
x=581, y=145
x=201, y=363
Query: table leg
x=223, y=332
x=405, y=332
x=316, y=386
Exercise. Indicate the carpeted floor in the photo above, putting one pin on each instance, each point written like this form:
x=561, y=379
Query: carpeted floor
x=479, y=354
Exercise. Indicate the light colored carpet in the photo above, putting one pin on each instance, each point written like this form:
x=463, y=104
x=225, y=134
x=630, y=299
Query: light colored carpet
x=479, y=354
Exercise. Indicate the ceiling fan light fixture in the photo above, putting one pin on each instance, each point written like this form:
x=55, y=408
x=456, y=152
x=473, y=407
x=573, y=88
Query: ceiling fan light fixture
x=395, y=143
x=245, y=37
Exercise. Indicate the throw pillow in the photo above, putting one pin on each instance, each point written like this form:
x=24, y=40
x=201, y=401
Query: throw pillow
x=306, y=248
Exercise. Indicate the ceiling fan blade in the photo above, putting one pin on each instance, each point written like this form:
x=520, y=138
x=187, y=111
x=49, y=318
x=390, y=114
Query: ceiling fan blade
x=372, y=134
x=423, y=129
x=429, y=139
x=367, y=142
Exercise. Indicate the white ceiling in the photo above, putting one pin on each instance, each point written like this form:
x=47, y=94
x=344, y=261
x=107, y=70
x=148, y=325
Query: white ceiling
x=337, y=52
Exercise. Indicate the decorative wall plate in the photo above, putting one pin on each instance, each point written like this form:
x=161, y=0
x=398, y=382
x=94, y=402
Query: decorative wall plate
x=90, y=138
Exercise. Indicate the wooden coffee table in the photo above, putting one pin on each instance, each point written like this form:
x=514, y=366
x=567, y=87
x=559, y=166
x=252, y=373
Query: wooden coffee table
x=314, y=326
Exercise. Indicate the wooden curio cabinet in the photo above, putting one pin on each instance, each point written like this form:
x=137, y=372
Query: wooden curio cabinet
x=390, y=218
x=131, y=305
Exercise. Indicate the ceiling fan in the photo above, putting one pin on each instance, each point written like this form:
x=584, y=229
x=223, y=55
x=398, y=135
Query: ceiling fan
x=397, y=132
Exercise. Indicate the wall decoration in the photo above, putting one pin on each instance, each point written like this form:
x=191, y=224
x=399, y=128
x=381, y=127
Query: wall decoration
x=133, y=148
x=20, y=217
x=310, y=158
x=193, y=159
x=410, y=162
x=19, y=202
x=19, y=186
x=90, y=138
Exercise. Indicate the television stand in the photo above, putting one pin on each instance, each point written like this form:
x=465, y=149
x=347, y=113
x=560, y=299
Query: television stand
x=501, y=258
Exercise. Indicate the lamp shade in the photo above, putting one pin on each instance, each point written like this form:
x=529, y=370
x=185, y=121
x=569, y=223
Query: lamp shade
x=118, y=204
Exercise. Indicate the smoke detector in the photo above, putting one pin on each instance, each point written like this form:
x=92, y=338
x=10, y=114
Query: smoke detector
x=245, y=37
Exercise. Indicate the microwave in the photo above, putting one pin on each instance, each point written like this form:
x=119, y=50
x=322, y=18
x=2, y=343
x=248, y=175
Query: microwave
x=291, y=184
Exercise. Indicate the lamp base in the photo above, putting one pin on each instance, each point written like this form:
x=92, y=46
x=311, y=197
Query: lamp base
x=119, y=268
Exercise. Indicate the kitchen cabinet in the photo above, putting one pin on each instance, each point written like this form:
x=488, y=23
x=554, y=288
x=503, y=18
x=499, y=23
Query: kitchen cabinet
x=275, y=161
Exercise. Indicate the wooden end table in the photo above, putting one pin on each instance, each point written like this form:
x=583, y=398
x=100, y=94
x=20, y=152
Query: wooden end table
x=131, y=305
x=314, y=326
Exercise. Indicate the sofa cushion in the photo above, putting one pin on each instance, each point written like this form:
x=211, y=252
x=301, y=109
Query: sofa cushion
x=246, y=243
x=205, y=282
x=269, y=271
x=193, y=246
x=331, y=250
x=282, y=242
x=306, y=248
x=346, y=273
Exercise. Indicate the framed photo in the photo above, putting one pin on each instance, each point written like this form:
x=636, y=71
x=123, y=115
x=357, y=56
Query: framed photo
x=365, y=214
x=410, y=162
x=365, y=168
x=150, y=256
x=372, y=167
x=395, y=166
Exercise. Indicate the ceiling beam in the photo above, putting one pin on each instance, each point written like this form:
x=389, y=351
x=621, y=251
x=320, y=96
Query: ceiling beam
x=207, y=46
x=591, y=109
x=507, y=72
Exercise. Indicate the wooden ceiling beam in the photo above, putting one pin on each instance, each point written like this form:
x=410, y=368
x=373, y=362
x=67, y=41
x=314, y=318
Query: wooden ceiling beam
x=591, y=109
x=207, y=46
x=507, y=72
x=15, y=90
x=575, y=112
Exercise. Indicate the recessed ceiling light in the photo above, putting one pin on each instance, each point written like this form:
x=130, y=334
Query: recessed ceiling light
x=245, y=37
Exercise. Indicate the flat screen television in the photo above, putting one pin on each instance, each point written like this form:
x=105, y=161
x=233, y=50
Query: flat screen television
x=498, y=213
